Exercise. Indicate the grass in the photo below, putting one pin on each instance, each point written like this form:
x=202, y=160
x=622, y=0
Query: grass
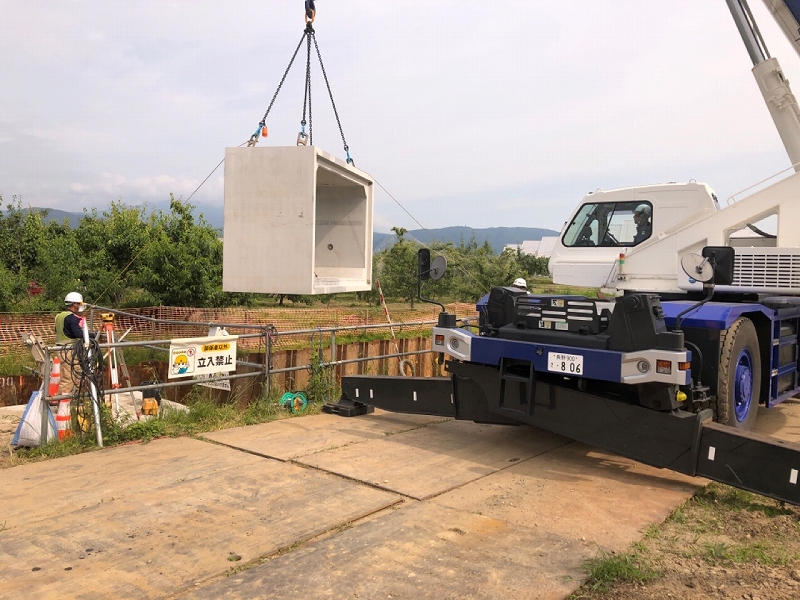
x=203, y=415
x=136, y=355
x=16, y=364
x=720, y=527
x=722, y=553
x=609, y=569
x=718, y=495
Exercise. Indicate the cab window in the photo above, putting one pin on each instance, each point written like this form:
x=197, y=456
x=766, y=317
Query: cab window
x=610, y=224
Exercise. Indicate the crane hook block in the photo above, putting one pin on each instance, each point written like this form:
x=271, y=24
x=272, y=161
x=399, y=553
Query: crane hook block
x=302, y=138
x=311, y=11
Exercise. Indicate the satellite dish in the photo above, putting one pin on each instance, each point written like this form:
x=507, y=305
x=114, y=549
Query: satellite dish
x=438, y=267
x=697, y=267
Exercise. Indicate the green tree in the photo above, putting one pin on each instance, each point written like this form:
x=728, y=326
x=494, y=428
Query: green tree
x=60, y=267
x=532, y=265
x=110, y=245
x=398, y=268
x=29, y=255
x=182, y=263
x=122, y=256
x=476, y=269
x=8, y=290
x=295, y=299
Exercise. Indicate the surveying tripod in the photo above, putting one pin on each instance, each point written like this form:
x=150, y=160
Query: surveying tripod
x=116, y=360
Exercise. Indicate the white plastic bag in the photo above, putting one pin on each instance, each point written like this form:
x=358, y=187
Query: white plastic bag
x=29, y=430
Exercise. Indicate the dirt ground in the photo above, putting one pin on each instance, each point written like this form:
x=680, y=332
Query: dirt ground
x=8, y=425
x=723, y=543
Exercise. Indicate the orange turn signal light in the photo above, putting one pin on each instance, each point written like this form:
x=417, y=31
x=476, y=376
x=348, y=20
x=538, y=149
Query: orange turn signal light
x=684, y=366
x=664, y=367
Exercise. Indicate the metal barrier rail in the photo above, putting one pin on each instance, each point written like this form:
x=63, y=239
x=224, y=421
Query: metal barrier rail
x=170, y=321
x=267, y=370
x=264, y=331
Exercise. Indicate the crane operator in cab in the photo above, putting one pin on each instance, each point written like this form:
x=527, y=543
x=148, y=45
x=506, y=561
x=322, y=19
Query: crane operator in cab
x=644, y=227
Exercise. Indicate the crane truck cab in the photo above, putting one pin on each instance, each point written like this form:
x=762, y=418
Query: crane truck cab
x=745, y=341
x=611, y=223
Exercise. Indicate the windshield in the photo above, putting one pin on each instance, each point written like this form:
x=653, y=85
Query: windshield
x=610, y=224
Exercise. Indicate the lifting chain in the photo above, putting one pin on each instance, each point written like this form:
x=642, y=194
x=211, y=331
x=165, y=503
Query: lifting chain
x=304, y=138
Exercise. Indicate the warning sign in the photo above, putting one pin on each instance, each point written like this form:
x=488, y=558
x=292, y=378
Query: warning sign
x=223, y=384
x=202, y=356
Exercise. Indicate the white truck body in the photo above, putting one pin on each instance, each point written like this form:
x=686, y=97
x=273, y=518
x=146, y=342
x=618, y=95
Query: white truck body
x=687, y=217
x=602, y=247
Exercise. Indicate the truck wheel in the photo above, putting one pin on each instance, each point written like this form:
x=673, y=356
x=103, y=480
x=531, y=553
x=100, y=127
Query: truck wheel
x=739, y=384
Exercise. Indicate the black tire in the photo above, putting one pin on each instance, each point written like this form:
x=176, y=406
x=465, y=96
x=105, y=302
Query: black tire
x=406, y=368
x=739, y=382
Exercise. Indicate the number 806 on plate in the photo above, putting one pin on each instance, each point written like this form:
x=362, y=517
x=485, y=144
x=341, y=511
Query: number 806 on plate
x=569, y=364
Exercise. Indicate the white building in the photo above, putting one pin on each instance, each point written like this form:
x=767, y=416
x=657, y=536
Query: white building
x=539, y=248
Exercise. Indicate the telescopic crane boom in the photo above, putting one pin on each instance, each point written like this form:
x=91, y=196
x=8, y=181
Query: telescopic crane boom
x=780, y=101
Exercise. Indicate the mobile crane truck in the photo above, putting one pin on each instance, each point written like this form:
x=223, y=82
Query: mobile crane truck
x=701, y=326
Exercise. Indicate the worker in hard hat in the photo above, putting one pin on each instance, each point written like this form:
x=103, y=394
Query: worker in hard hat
x=520, y=284
x=644, y=227
x=68, y=330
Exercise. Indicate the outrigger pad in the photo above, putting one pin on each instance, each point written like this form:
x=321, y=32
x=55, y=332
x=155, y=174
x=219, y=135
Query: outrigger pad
x=751, y=461
x=348, y=408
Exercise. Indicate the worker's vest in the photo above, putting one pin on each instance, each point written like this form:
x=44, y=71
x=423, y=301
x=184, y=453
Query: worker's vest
x=61, y=337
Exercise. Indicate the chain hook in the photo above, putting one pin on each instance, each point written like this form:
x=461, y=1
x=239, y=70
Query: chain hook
x=311, y=11
x=260, y=130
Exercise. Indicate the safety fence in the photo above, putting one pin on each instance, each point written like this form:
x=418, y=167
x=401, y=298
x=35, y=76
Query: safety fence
x=328, y=360
x=284, y=357
x=290, y=369
x=166, y=322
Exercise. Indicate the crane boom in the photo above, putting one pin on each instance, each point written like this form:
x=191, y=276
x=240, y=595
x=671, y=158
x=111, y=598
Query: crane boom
x=772, y=83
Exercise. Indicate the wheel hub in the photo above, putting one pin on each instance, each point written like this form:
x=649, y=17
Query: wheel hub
x=743, y=385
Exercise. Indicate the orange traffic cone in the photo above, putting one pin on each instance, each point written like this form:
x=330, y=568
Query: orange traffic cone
x=55, y=377
x=64, y=420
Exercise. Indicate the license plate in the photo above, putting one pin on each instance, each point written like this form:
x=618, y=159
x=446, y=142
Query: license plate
x=570, y=364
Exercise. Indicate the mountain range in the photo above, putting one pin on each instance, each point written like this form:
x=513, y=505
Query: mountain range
x=498, y=237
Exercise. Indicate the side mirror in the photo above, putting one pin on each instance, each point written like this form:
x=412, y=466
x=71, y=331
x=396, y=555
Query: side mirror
x=426, y=270
x=424, y=263
x=722, y=257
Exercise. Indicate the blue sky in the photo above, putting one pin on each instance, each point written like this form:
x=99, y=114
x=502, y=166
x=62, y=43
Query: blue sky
x=477, y=113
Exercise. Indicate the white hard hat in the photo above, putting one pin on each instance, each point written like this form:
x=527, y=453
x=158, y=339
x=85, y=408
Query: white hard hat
x=73, y=298
x=520, y=283
x=643, y=209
